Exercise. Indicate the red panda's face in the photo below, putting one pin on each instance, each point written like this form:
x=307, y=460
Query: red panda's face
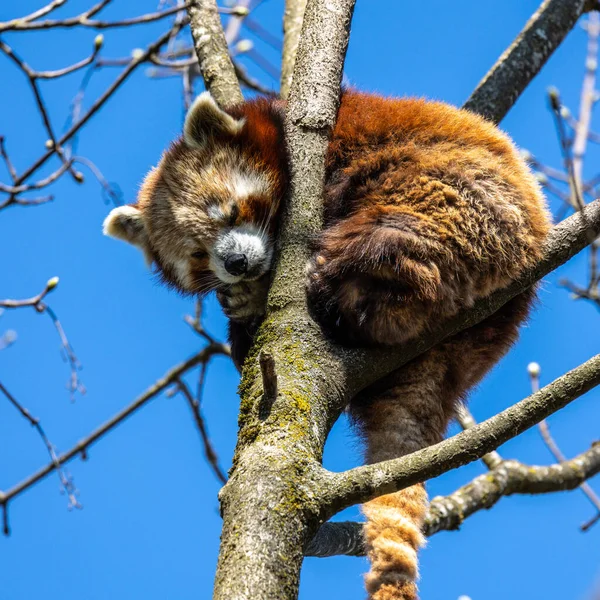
x=206, y=215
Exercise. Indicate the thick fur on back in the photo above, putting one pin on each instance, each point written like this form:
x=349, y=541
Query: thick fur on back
x=427, y=209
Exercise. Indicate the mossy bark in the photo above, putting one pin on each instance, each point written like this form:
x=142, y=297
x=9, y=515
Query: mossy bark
x=273, y=502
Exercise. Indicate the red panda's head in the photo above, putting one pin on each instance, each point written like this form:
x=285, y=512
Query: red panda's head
x=207, y=214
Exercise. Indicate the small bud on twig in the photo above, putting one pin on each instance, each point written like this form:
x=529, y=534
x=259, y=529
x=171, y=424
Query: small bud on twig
x=243, y=46
x=52, y=283
x=554, y=96
x=240, y=11
x=565, y=113
x=534, y=369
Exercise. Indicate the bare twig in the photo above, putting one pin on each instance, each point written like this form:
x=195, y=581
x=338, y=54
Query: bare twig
x=140, y=57
x=43, y=11
x=578, y=292
x=574, y=152
x=195, y=323
x=111, y=191
x=534, y=375
x=66, y=481
x=38, y=304
x=250, y=82
x=34, y=301
x=10, y=167
x=42, y=183
x=83, y=445
x=32, y=77
x=575, y=198
x=234, y=25
x=587, y=100
x=194, y=404
x=83, y=20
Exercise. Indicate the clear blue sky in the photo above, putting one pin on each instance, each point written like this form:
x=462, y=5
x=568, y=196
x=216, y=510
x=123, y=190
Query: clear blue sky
x=150, y=525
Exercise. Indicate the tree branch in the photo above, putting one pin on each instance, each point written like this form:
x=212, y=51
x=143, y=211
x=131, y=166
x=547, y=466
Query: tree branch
x=82, y=446
x=66, y=482
x=365, y=483
x=131, y=66
x=194, y=404
x=292, y=25
x=212, y=52
x=83, y=20
x=271, y=503
x=534, y=376
x=524, y=58
x=466, y=421
x=448, y=512
x=40, y=306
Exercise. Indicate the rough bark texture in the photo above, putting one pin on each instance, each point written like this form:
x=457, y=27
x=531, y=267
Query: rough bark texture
x=292, y=25
x=448, y=512
x=272, y=503
x=510, y=477
x=524, y=58
x=213, y=55
x=466, y=421
x=364, y=483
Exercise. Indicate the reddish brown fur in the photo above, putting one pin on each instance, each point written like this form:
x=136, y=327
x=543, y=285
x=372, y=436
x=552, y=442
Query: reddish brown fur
x=427, y=209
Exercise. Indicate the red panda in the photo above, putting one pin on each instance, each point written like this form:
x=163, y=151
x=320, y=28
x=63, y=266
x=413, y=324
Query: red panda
x=426, y=209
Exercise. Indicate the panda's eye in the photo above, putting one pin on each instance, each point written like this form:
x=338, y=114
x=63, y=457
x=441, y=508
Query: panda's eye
x=199, y=255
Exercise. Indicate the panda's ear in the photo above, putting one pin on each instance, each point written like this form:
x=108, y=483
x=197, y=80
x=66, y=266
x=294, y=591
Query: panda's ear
x=126, y=223
x=205, y=121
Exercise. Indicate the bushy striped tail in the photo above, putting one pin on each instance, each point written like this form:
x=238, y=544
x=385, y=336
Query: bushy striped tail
x=393, y=537
x=409, y=410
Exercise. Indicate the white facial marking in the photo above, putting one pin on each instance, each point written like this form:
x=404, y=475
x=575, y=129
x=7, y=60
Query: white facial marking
x=182, y=272
x=247, y=240
x=246, y=184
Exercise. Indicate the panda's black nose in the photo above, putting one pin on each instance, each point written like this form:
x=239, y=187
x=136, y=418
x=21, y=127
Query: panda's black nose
x=236, y=264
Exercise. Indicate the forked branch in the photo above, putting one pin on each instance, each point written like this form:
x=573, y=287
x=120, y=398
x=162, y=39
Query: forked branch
x=449, y=512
